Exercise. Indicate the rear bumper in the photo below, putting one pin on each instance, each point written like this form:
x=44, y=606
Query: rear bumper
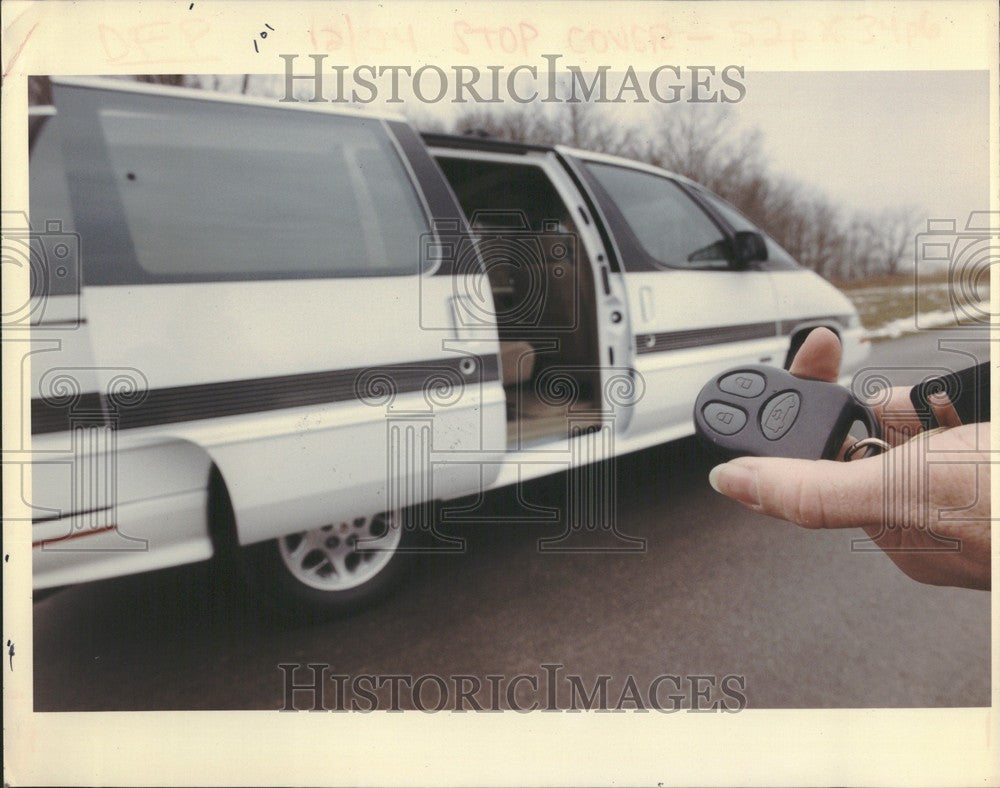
x=129, y=538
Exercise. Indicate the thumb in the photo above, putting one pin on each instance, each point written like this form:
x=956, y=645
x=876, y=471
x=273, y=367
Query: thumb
x=814, y=494
x=819, y=356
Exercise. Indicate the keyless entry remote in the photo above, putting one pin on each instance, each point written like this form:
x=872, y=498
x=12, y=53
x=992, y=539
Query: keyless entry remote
x=765, y=411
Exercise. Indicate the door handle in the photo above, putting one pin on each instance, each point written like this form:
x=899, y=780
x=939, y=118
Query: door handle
x=467, y=315
x=646, y=303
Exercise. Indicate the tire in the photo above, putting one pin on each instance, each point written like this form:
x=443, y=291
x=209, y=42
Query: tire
x=334, y=570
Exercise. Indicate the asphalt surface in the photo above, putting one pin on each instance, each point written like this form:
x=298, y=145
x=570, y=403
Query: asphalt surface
x=797, y=616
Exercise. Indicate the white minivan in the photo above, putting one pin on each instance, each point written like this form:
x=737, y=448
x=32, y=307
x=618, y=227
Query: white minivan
x=281, y=332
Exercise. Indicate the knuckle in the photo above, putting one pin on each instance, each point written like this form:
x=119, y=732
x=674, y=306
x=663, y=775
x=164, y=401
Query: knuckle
x=800, y=502
x=819, y=498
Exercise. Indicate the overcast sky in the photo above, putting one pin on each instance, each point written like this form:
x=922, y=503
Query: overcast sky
x=869, y=140
x=876, y=139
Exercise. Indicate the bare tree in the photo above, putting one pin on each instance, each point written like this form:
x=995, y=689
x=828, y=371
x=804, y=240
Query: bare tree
x=704, y=144
x=177, y=80
x=896, y=228
x=518, y=124
x=580, y=125
x=860, y=239
x=593, y=129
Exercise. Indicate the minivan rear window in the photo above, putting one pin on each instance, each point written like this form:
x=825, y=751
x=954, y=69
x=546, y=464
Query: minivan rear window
x=168, y=189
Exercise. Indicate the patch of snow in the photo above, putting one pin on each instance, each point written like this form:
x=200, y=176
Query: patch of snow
x=933, y=319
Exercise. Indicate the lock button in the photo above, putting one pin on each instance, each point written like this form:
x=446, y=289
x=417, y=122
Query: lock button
x=743, y=384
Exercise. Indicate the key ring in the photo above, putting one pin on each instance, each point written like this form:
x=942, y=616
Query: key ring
x=865, y=443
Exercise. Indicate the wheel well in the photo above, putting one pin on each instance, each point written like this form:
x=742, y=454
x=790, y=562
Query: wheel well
x=221, y=518
x=799, y=336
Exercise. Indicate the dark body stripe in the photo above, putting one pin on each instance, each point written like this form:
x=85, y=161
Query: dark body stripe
x=677, y=340
x=258, y=395
x=700, y=337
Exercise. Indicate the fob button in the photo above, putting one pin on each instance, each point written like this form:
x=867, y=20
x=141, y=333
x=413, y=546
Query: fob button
x=724, y=419
x=743, y=384
x=778, y=414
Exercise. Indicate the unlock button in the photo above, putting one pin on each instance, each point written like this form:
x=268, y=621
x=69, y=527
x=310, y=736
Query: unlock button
x=724, y=419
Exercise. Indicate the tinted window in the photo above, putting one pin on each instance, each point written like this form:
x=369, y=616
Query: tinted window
x=51, y=272
x=777, y=258
x=185, y=189
x=669, y=226
x=738, y=221
x=48, y=193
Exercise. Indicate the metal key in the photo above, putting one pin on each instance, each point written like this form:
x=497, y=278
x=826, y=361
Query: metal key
x=763, y=411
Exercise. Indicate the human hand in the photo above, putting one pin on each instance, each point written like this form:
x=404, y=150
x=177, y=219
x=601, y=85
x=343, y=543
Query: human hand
x=931, y=517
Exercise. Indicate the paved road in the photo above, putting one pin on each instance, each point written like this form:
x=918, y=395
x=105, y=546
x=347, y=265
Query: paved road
x=806, y=621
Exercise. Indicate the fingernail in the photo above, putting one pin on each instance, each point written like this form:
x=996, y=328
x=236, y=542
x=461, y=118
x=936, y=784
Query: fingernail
x=737, y=482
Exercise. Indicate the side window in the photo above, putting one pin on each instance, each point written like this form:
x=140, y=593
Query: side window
x=48, y=193
x=738, y=221
x=777, y=258
x=671, y=229
x=195, y=190
x=49, y=212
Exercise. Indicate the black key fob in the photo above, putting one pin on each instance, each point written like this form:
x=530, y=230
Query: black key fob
x=764, y=411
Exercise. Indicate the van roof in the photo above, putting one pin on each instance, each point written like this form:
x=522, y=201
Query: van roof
x=203, y=94
x=473, y=142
